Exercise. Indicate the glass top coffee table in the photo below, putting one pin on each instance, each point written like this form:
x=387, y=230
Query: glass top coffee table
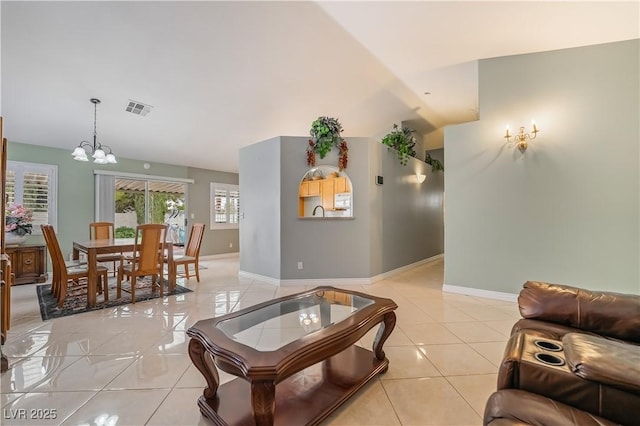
x=295, y=357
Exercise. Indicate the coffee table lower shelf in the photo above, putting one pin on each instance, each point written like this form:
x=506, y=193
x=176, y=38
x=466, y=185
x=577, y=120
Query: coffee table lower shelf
x=306, y=398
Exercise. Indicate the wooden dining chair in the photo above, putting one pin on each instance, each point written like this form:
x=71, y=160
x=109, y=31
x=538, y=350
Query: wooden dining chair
x=148, y=260
x=191, y=252
x=64, y=275
x=105, y=231
x=55, y=281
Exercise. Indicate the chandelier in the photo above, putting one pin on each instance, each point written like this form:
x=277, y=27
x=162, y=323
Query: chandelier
x=96, y=149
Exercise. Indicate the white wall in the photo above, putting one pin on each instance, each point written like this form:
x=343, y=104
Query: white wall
x=567, y=209
x=260, y=208
x=394, y=225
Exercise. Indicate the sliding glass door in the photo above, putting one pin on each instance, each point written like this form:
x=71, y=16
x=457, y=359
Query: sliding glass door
x=129, y=200
x=139, y=201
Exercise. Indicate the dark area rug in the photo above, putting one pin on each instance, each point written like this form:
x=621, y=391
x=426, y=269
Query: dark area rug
x=76, y=301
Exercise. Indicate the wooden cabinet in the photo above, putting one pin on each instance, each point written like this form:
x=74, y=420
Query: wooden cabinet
x=314, y=188
x=310, y=188
x=304, y=189
x=340, y=185
x=327, y=189
x=29, y=263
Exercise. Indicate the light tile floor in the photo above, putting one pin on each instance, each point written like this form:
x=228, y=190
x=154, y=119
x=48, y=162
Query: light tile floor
x=129, y=365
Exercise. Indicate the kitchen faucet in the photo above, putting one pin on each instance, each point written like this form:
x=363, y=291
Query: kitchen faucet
x=316, y=208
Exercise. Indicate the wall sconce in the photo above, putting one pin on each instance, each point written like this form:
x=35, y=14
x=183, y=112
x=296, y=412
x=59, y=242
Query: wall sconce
x=420, y=177
x=522, y=137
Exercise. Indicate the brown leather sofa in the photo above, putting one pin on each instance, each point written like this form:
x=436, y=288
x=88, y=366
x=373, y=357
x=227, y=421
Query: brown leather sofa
x=554, y=310
x=514, y=407
x=575, y=352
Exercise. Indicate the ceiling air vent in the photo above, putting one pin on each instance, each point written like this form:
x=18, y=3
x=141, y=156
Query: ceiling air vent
x=138, y=108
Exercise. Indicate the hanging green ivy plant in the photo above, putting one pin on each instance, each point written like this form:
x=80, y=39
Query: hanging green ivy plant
x=436, y=165
x=403, y=141
x=325, y=133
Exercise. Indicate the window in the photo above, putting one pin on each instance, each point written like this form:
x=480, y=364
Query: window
x=225, y=206
x=33, y=186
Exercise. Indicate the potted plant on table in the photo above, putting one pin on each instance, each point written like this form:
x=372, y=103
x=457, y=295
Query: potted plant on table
x=325, y=133
x=17, y=223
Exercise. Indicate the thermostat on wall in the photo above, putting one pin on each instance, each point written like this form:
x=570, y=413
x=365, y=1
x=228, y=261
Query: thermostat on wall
x=378, y=180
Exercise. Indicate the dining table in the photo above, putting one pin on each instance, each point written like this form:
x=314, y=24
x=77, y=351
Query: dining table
x=92, y=248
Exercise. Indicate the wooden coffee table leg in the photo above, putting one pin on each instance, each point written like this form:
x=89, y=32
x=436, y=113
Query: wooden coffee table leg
x=263, y=401
x=204, y=363
x=385, y=329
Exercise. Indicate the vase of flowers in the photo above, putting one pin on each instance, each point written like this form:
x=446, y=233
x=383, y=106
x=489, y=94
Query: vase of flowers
x=17, y=223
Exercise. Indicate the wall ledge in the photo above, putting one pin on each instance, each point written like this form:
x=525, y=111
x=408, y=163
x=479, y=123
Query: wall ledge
x=479, y=292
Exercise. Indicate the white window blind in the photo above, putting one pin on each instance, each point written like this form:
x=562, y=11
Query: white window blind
x=34, y=186
x=225, y=206
x=234, y=206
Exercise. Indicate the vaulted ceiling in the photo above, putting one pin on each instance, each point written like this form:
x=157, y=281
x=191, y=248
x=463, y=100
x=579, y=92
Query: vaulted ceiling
x=223, y=75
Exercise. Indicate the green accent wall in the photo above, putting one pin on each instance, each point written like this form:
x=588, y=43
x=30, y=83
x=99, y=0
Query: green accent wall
x=76, y=187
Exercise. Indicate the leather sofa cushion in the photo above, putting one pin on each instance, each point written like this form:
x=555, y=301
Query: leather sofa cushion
x=550, y=330
x=601, y=360
x=605, y=313
x=521, y=370
x=518, y=407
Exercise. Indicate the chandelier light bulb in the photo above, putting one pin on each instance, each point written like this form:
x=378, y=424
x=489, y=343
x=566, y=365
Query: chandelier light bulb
x=99, y=154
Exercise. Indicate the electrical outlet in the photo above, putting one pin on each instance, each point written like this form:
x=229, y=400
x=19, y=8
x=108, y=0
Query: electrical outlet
x=299, y=265
x=230, y=245
x=193, y=215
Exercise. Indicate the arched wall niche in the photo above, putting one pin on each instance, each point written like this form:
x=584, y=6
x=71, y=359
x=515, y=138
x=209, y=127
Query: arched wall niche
x=325, y=192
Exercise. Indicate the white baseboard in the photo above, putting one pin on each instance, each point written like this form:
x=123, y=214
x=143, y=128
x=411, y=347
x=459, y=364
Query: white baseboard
x=336, y=281
x=405, y=268
x=478, y=292
x=220, y=256
x=258, y=277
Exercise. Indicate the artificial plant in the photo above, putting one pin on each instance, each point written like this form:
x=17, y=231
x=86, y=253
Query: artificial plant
x=403, y=141
x=325, y=134
x=434, y=163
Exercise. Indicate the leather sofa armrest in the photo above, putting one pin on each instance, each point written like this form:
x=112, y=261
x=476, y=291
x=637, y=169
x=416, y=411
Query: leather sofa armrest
x=605, y=361
x=605, y=313
x=508, y=371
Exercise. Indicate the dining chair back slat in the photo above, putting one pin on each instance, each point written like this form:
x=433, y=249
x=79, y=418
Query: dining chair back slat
x=191, y=252
x=63, y=274
x=101, y=230
x=149, y=247
x=55, y=279
x=148, y=260
x=195, y=240
x=105, y=231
